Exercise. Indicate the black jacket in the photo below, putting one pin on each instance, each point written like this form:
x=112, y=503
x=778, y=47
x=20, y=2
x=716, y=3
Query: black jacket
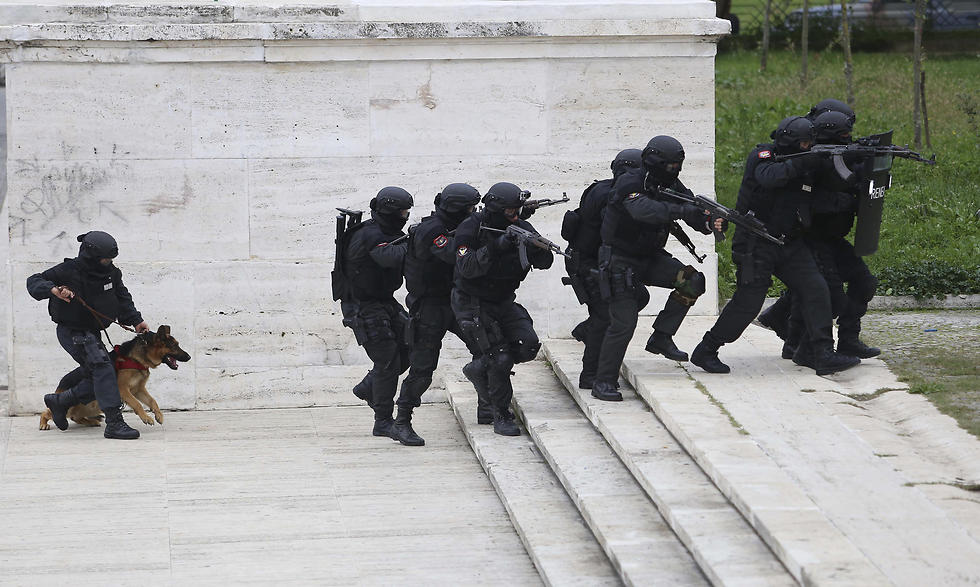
x=104, y=291
x=637, y=219
x=430, y=258
x=373, y=270
x=774, y=191
x=483, y=271
x=591, y=210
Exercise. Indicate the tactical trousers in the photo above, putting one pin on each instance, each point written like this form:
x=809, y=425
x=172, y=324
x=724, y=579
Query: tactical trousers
x=598, y=321
x=431, y=319
x=629, y=296
x=757, y=261
x=380, y=328
x=839, y=265
x=98, y=380
x=504, y=336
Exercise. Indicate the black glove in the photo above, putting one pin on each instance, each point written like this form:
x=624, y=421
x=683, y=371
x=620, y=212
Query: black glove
x=711, y=223
x=503, y=243
x=527, y=213
x=694, y=216
x=807, y=162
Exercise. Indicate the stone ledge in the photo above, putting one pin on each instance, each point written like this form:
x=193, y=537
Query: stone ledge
x=85, y=32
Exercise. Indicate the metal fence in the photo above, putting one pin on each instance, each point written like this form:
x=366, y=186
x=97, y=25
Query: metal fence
x=940, y=14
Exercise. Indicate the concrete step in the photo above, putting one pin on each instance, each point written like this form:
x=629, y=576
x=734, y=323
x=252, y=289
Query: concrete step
x=890, y=522
x=558, y=541
x=640, y=544
x=724, y=544
x=800, y=535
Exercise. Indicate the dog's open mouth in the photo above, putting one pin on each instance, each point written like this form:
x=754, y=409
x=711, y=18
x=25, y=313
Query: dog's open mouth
x=171, y=361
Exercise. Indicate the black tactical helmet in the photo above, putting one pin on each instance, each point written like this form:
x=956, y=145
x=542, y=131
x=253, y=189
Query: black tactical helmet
x=457, y=197
x=503, y=195
x=832, y=128
x=832, y=105
x=97, y=245
x=663, y=153
x=626, y=159
x=791, y=132
x=392, y=200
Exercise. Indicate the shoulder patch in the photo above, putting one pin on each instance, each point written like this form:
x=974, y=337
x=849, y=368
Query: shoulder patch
x=440, y=241
x=633, y=196
x=765, y=154
x=461, y=252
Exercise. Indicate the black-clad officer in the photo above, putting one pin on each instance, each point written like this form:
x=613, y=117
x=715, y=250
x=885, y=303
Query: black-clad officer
x=429, y=265
x=775, y=192
x=833, y=217
x=92, y=279
x=581, y=228
x=488, y=273
x=634, y=232
x=373, y=271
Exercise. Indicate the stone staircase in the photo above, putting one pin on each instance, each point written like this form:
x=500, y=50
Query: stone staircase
x=766, y=476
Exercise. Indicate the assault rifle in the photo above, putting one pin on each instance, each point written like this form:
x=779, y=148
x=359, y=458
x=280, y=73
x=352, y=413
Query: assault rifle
x=862, y=149
x=675, y=229
x=747, y=221
x=535, y=204
x=525, y=237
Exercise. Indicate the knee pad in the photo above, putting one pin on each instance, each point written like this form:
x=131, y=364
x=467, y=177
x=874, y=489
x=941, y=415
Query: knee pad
x=501, y=362
x=527, y=352
x=688, y=286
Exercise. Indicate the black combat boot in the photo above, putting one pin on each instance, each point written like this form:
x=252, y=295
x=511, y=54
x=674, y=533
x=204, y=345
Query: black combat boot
x=59, y=403
x=581, y=331
x=777, y=323
x=661, y=343
x=853, y=347
x=116, y=427
x=804, y=355
x=504, y=424
x=382, y=426
x=363, y=389
x=606, y=391
x=586, y=380
x=475, y=371
x=705, y=355
x=402, y=431
x=788, y=351
x=826, y=361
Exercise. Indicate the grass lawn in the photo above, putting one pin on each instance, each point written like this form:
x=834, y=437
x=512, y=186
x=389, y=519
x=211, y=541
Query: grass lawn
x=931, y=225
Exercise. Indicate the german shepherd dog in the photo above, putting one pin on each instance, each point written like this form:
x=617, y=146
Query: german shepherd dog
x=133, y=361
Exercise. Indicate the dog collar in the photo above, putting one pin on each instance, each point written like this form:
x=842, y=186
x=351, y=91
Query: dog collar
x=127, y=363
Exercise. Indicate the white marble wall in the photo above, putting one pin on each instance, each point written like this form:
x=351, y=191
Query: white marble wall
x=217, y=164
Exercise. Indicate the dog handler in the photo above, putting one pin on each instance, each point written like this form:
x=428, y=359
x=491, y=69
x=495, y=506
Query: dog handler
x=91, y=277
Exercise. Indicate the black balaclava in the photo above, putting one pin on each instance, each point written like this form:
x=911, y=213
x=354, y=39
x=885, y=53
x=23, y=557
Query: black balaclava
x=456, y=201
x=662, y=159
x=502, y=196
x=97, y=245
x=790, y=133
x=390, y=208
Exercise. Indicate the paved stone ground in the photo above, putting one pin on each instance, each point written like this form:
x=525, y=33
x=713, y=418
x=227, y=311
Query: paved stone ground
x=264, y=496
x=308, y=496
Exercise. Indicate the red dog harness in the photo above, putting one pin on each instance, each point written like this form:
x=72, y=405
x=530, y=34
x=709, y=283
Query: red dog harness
x=127, y=363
